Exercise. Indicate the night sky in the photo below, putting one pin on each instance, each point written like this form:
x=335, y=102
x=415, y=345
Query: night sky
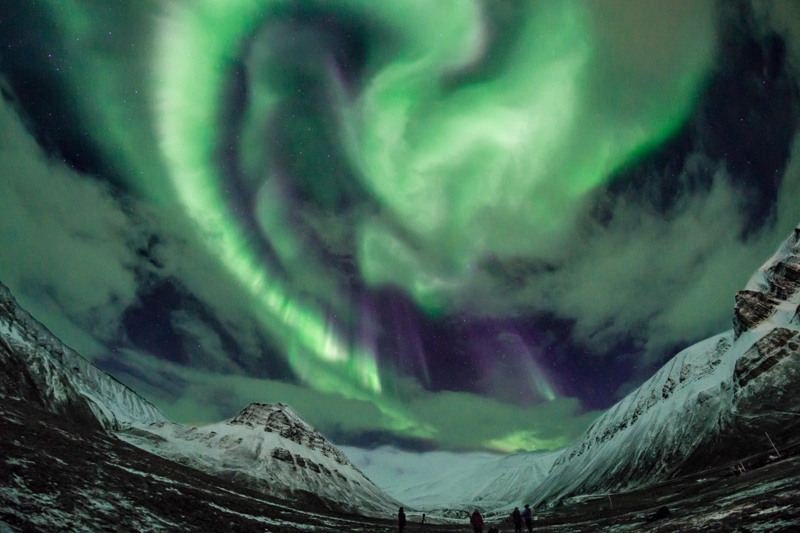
x=446, y=224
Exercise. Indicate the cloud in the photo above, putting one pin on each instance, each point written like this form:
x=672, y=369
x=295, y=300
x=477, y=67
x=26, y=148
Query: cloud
x=630, y=274
x=65, y=238
x=73, y=253
x=468, y=422
x=663, y=280
x=463, y=421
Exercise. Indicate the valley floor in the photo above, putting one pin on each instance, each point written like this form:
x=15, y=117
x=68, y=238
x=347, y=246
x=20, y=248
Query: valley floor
x=56, y=476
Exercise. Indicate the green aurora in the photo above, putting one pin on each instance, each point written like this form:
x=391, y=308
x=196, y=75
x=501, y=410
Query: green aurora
x=454, y=224
x=497, y=167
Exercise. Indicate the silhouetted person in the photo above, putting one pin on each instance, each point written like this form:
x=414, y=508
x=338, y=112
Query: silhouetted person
x=527, y=514
x=423, y=518
x=476, y=520
x=401, y=520
x=516, y=517
x=663, y=512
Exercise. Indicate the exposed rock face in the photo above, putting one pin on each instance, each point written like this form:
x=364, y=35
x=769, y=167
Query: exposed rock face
x=785, y=280
x=36, y=366
x=765, y=354
x=752, y=308
x=282, y=454
x=281, y=419
x=775, y=282
x=767, y=377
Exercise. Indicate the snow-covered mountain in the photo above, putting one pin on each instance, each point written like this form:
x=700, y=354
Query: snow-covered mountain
x=721, y=399
x=36, y=366
x=269, y=447
x=444, y=483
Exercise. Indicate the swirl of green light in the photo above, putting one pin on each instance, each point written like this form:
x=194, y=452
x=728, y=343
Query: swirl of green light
x=499, y=167
x=493, y=166
x=192, y=62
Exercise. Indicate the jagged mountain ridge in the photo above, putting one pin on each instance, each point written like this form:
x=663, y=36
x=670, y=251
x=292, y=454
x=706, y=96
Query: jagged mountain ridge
x=36, y=366
x=715, y=401
x=269, y=447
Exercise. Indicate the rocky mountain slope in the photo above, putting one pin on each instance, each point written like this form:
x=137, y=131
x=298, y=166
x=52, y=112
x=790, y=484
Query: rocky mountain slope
x=37, y=367
x=269, y=447
x=727, y=397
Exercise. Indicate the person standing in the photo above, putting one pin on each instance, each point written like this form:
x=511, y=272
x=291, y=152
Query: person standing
x=401, y=520
x=516, y=518
x=476, y=520
x=527, y=514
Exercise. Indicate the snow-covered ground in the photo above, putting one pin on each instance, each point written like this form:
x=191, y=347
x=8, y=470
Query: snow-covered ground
x=447, y=483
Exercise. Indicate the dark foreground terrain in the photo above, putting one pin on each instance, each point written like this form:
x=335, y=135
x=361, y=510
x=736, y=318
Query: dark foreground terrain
x=56, y=476
x=765, y=497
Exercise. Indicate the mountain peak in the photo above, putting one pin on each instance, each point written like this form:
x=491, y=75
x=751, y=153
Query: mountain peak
x=271, y=416
x=281, y=419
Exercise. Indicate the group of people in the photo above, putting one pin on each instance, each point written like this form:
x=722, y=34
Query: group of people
x=476, y=520
x=517, y=517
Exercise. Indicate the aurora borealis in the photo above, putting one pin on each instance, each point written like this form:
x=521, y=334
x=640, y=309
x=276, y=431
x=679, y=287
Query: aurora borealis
x=454, y=224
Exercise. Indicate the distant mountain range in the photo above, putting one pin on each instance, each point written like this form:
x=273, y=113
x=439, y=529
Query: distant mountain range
x=450, y=484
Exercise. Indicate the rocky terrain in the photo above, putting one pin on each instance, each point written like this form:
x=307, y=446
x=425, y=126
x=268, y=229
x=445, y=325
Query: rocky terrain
x=762, y=496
